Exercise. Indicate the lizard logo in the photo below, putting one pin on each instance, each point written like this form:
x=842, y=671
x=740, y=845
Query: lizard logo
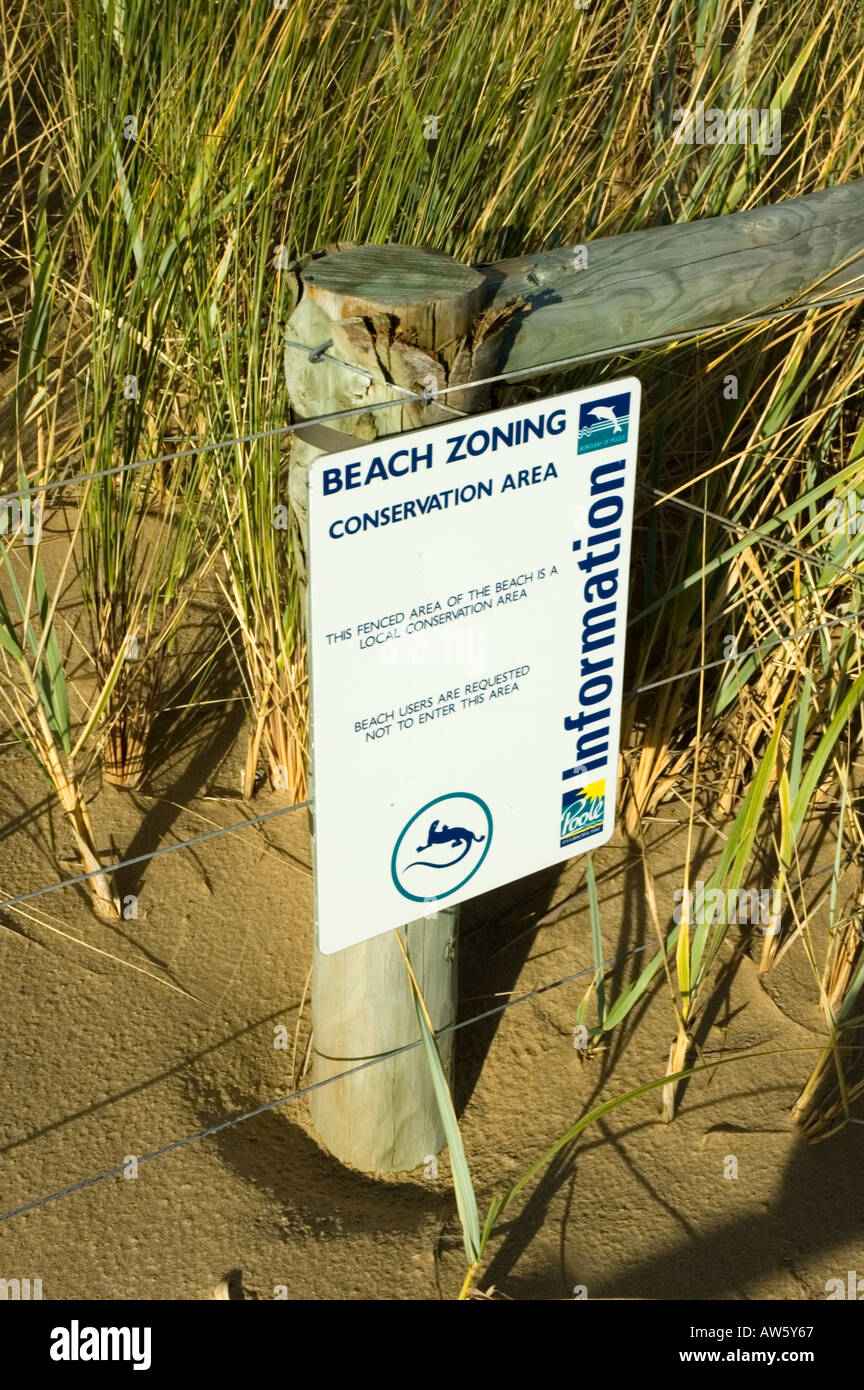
x=471, y=836
x=448, y=835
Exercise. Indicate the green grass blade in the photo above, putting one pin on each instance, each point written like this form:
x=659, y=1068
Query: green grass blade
x=466, y=1200
x=596, y=940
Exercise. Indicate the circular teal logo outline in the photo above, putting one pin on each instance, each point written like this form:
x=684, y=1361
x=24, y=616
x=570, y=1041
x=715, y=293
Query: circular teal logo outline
x=436, y=897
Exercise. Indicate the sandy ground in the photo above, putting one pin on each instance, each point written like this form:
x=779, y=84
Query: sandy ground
x=101, y=1061
x=109, y=1055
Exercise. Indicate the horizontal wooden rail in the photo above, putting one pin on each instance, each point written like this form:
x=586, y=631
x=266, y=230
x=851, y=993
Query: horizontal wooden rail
x=681, y=278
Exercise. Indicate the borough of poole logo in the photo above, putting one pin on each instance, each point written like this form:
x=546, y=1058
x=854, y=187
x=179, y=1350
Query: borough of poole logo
x=441, y=847
x=582, y=812
x=603, y=423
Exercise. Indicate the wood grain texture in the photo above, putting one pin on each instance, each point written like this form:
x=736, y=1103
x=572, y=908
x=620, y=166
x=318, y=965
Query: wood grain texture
x=390, y=277
x=681, y=278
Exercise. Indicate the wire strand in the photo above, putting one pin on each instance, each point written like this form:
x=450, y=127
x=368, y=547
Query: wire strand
x=746, y=532
x=314, y=1086
x=351, y=1071
x=286, y=810
x=539, y=370
x=154, y=854
x=739, y=656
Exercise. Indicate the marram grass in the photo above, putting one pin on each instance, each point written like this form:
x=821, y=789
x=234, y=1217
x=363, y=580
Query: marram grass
x=263, y=134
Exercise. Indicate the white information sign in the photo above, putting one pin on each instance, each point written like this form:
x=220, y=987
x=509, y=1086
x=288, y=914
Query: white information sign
x=468, y=598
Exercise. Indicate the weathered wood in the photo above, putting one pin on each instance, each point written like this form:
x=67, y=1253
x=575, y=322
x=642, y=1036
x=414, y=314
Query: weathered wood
x=405, y=317
x=680, y=278
x=434, y=297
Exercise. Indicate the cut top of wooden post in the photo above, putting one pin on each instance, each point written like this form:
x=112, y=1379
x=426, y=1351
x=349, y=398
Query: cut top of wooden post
x=431, y=293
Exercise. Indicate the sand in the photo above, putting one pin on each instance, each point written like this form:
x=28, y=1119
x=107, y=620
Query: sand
x=101, y=1061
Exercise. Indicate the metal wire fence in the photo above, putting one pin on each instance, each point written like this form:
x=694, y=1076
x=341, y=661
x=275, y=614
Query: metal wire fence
x=756, y=534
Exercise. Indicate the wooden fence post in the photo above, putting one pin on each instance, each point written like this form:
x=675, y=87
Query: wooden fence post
x=382, y=318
